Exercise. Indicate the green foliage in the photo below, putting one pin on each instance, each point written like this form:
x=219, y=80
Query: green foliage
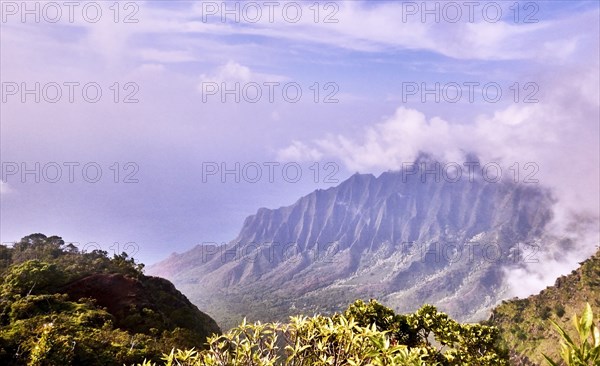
x=463, y=343
x=44, y=322
x=384, y=318
x=586, y=350
x=72, y=263
x=40, y=324
x=50, y=330
x=29, y=277
x=365, y=334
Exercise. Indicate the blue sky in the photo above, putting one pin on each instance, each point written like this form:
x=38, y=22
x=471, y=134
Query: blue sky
x=367, y=55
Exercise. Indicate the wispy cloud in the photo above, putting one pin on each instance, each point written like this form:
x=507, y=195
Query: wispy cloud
x=232, y=71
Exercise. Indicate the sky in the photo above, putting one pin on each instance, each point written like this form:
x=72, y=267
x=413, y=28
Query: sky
x=153, y=126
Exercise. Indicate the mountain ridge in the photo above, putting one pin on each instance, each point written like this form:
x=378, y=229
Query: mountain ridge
x=379, y=236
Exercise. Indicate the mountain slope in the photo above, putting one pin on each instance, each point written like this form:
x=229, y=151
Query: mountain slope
x=402, y=237
x=60, y=306
x=525, y=323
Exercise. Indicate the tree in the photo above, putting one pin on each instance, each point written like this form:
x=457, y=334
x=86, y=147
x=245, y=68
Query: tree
x=31, y=277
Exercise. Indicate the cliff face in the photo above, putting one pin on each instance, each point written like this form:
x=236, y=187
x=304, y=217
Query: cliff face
x=403, y=238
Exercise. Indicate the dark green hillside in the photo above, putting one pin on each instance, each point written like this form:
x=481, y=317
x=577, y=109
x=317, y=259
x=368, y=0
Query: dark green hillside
x=525, y=323
x=59, y=306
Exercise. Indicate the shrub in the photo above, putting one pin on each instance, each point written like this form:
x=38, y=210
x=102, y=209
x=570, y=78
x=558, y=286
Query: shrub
x=559, y=310
x=365, y=334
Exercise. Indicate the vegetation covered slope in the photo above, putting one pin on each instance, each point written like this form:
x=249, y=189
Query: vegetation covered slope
x=59, y=306
x=525, y=323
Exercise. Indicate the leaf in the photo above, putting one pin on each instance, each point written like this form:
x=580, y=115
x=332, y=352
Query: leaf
x=562, y=333
x=549, y=360
x=587, y=318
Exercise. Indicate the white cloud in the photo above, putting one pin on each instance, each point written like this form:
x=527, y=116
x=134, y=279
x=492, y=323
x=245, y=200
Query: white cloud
x=299, y=152
x=233, y=72
x=388, y=144
x=560, y=134
x=546, y=265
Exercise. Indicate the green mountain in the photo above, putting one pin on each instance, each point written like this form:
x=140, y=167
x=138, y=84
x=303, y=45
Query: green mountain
x=525, y=323
x=59, y=306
